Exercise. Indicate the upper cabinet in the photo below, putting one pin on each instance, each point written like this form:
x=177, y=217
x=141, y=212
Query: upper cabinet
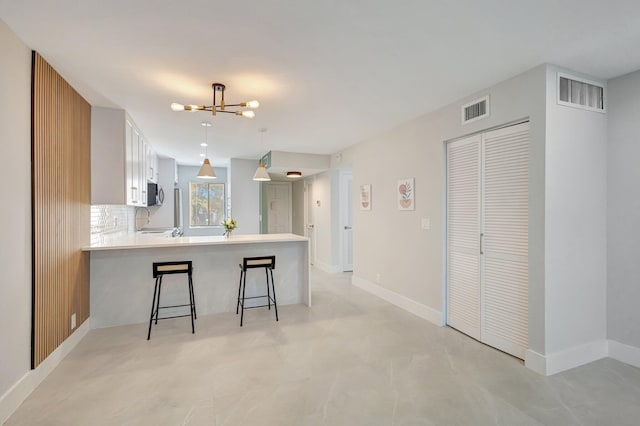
x=151, y=163
x=122, y=160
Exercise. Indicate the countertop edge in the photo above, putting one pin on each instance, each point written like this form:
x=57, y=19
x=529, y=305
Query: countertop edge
x=133, y=243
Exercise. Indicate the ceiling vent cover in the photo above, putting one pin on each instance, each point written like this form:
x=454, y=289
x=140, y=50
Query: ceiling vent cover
x=580, y=93
x=476, y=110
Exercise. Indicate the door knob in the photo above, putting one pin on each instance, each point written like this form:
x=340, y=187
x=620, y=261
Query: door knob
x=347, y=228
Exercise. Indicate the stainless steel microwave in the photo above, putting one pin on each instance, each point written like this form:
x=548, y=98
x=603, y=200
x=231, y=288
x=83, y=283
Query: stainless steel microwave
x=155, y=194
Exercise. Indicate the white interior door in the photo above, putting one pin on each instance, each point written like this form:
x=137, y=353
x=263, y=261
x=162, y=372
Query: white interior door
x=463, y=235
x=309, y=229
x=279, y=207
x=506, y=239
x=487, y=237
x=346, y=214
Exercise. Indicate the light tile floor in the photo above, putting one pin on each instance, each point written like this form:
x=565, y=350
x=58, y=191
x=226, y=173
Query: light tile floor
x=351, y=359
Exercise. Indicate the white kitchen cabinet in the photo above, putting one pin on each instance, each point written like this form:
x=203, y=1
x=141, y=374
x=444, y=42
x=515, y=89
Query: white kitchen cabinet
x=129, y=184
x=139, y=175
x=136, y=188
x=121, y=164
x=151, y=165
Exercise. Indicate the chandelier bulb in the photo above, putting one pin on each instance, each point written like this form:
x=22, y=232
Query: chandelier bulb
x=250, y=104
x=177, y=107
x=246, y=114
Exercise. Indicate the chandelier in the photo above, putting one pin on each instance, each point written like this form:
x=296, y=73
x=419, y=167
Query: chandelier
x=215, y=108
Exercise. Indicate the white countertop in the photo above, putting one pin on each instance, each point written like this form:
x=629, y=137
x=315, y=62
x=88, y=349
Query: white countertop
x=142, y=241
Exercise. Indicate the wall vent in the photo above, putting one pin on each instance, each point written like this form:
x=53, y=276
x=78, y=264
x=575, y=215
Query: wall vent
x=476, y=110
x=580, y=93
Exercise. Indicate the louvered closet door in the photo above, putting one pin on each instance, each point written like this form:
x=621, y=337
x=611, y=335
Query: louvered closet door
x=505, y=267
x=463, y=230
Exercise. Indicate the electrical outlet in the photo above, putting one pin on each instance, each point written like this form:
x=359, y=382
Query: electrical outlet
x=426, y=223
x=378, y=278
x=73, y=321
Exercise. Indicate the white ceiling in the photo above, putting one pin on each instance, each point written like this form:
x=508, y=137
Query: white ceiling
x=328, y=74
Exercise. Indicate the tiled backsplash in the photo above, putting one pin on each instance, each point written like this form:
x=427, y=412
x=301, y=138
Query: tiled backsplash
x=109, y=220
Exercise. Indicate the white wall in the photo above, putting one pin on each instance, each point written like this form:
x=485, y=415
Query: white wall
x=188, y=174
x=575, y=223
x=15, y=214
x=567, y=210
x=392, y=244
x=108, y=156
x=245, y=196
x=623, y=187
x=298, y=200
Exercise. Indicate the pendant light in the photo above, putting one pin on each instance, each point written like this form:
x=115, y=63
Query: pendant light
x=261, y=174
x=206, y=171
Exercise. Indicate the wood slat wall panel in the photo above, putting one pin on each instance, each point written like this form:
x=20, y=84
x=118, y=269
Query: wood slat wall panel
x=61, y=124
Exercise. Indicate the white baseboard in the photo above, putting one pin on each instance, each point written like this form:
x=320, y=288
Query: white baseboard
x=624, y=353
x=567, y=359
x=12, y=398
x=536, y=362
x=418, y=309
x=330, y=269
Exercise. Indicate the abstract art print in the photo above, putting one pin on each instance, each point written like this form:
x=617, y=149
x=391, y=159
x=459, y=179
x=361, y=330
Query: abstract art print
x=406, y=194
x=365, y=197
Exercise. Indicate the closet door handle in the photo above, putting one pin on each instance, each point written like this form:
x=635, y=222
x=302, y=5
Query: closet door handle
x=481, y=242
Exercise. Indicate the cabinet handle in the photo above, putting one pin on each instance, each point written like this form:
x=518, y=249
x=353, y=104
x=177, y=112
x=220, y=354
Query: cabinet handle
x=481, y=243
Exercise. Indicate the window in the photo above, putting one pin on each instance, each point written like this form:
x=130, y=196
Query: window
x=207, y=204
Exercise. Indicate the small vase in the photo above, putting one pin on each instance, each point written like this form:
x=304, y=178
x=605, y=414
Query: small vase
x=227, y=234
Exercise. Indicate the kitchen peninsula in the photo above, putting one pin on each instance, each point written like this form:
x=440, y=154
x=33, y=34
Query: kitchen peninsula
x=122, y=283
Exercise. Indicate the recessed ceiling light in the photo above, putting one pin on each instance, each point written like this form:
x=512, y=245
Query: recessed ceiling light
x=203, y=144
x=201, y=155
x=294, y=174
x=206, y=124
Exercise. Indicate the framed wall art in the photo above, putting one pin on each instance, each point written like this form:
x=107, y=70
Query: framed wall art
x=406, y=194
x=365, y=197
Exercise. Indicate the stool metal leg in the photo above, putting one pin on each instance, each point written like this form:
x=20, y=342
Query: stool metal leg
x=275, y=302
x=239, y=288
x=244, y=287
x=158, y=301
x=193, y=297
x=191, y=306
x=266, y=272
x=153, y=304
